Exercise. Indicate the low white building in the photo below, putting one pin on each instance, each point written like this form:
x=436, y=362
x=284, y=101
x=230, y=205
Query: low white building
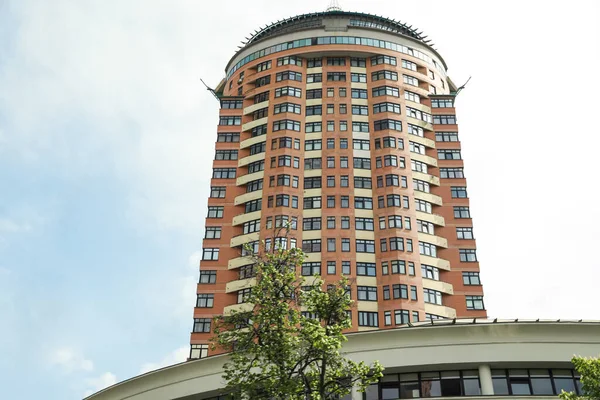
x=450, y=359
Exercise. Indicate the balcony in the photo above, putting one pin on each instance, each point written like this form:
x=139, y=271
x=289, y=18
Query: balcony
x=424, y=159
x=247, y=238
x=253, y=140
x=432, y=198
x=433, y=218
x=243, y=218
x=442, y=311
x=250, y=159
x=435, y=262
x=244, y=307
x=433, y=239
x=257, y=106
x=434, y=180
x=422, y=140
x=234, y=286
x=247, y=197
x=249, y=125
x=419, y=122
x=440, y=286
x=242, y=180
x=239, y=262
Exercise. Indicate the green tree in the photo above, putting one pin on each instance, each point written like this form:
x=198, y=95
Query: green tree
x=287, y=343
x=589, y=369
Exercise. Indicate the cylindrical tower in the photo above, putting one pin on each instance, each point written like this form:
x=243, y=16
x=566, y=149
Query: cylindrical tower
x=343, y=124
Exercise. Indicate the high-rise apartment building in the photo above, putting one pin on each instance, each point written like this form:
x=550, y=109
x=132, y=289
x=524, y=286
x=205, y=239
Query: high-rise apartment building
x=343, y=125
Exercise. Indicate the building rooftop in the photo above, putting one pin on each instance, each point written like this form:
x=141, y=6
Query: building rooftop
x=314, y=20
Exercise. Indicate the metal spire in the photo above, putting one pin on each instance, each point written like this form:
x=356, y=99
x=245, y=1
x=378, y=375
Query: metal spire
x=334, y=5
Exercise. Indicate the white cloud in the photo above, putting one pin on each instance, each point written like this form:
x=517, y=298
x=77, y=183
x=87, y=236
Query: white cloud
x=175, y=357
x=11, y=226
x=101, y=382
x=194, y=259
x=70, y=360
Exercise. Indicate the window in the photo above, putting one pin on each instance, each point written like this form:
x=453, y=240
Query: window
x=461, y=212
x=202, y=325
x=336, y=76
x=358, y=93
x=210, y=254
x=464, y=233
x=421, y=186
x=345, y=245
x=446, y=137
x=377, y=60
x=366, y=318
x=314, y=62
x=262, y=81
x=458, y=192
x=361, y=182
x=251, y=226
x=284, y=161
x=360, y=126
x=400, y=291
x=386, y=91
x=432, y=296
x=409, y=65
x=449, y=154
x=258, y=148
x=418, y=166
x=384, y=74
x=253, y=205
x=311, y=127
x=393, y=200
x=311, y=268
x=410, y=80
x=314, y=93
x=288, y=91
x=242, y=295
x=331, y=181
x=364, y=224
x=358, y=62
x=387, y=124
x=253, y=186
x=223, y=173
x=474, y=302
x=336, y=61
x=396, y=244
x=401, y=317
x=363, y=203
x=291, y=60
x=208, y=277
x=331, y=244
x=312, y=203
x=415, y=130
x=343, y=128
x=345, y=265
x=362, y=163
x=467, y=255
x=263, y=66
x=392, y=180
x=343, y=109
x=427, y=249
x=425, y=227
x=288, y=76
x=212, y=232
x=430, y=272
x=205, y=300
x=423, y=206
x=344, y=202
x=282, y=200
x=215, y=212
x=287, y=107
x=451, y=173
x=386, y=107
x=259, y=130
x=411, y=96
x=343, y=162
x=230, y=121
x=444, y=119
x=356, y=77
x=367, y=293
x=394, y=221
x=228, y=137
x=286, y=124
x=229, y=104
x=314, y=144
x=471, y=278
x=314, y=110
x=418, y=114
x=365, y=246
x=360, y=110
x=312, y=163
x=330, y=92
x=226, y=155
x=312, y=182
x=217, y=192
x=442, y=103
x=365, y=269
x=259, y=98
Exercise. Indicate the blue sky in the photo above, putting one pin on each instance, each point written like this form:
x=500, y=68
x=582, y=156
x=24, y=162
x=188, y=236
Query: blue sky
x=106, y=141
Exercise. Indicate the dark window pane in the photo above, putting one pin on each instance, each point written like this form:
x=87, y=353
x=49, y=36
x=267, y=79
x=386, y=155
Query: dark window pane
x=564, y=383
x=431, y=389
x=409, y=390
x=472, y=387
x=372, y=392
x=451, y=387
x=500, y=386
x=390, y=393
x=541, y=386
x=520, y=386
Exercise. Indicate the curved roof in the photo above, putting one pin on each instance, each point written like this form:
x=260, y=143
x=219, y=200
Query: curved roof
x=312, y=20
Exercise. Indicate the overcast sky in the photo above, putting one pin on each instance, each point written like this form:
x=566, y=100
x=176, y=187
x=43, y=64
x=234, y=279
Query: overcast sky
x=106, y=142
